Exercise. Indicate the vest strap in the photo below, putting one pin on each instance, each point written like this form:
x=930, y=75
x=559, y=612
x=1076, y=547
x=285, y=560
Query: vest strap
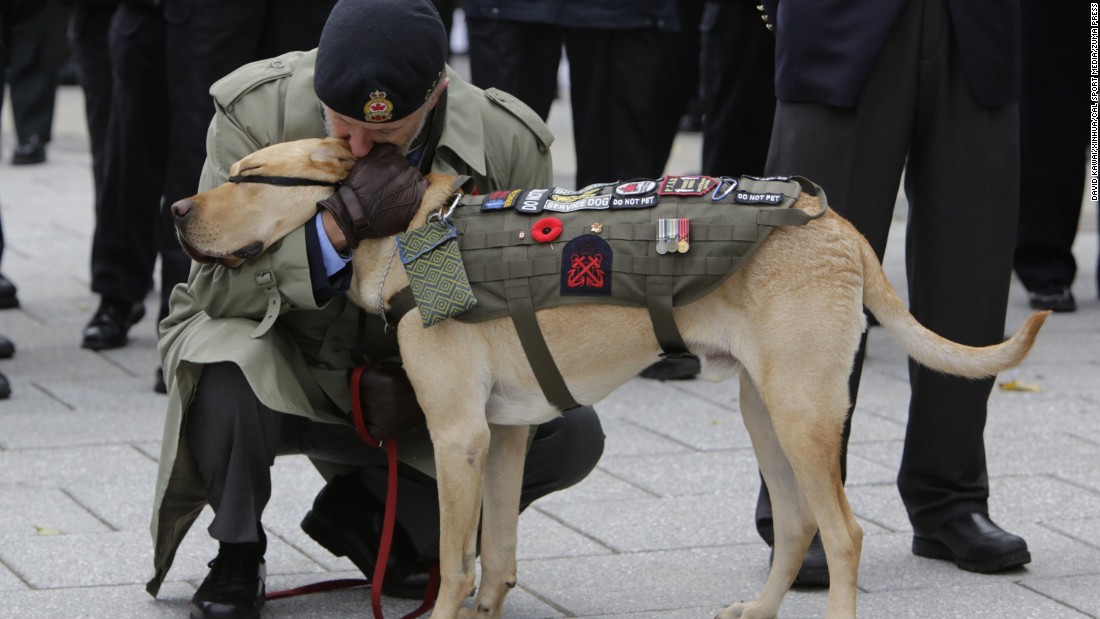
x=659, y=304
x=522, y=311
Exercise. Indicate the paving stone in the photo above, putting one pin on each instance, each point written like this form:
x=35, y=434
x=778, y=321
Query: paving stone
x=26, y=512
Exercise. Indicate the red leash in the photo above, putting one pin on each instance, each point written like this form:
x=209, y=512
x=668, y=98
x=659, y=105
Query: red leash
x=389, y=519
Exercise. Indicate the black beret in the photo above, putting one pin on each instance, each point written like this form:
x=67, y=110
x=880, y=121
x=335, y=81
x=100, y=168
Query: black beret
x=380, y=60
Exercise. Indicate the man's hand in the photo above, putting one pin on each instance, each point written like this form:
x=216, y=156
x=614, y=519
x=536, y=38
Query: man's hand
x=378, y=199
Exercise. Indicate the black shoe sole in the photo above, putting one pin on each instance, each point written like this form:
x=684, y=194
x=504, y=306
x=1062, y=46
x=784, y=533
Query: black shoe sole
x=323, y=535
x=9, y=303
x=931, y=549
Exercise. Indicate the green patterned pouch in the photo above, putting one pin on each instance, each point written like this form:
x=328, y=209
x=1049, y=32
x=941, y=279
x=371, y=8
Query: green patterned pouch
x=436, y=273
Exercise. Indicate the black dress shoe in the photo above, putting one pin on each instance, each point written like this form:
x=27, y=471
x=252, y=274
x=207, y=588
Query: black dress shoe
x=685, y=368
x=234, y=588
x=110, y=324
x=7, y=348
x=814, y=572
x=347, y=521
x=159, y=385
x=975, y=543
x=29, y=152
x=7, y=293
x=5, y=387
x=1055, y=298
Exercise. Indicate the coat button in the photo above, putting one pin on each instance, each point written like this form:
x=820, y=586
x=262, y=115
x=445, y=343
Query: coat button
x=278, y=64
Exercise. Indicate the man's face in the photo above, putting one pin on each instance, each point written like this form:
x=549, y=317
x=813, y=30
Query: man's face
x=362, y=135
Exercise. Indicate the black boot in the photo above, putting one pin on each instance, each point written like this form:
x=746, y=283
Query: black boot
x=234, y=588
x=110, y=324
x=347, y=521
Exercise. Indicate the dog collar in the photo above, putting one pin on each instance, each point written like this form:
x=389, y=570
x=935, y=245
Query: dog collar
x=282, y=181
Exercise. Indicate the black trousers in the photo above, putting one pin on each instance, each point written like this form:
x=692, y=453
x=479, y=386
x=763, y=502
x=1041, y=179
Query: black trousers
x=1054, y=133
x=235, y=439
x=619, y=102
x=960, y=160
x=520, y=58
x=34, y=34
x=128, y=234
x=737, y=84
x=89, y=26
x=179, y=54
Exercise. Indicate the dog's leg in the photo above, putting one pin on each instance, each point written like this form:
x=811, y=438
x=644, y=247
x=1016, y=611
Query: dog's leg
x=460, y=438
x=793, y=522
x=500, y=519
x=808, y=419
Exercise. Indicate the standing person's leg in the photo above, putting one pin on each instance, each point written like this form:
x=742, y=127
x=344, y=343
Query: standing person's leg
x=89, y=25
x=856, y=155
x=123, y=248
x=519, y=58
x=615, y=101
x=738, y=86
x=34, y=52
x=680, y=58
x=962, y=185
x=1053, y=145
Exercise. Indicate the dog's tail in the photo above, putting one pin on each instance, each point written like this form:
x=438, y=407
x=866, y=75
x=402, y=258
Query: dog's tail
x=928, y=348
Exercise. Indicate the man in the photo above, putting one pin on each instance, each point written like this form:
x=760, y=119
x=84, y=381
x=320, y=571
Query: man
x=236, y=401
x=867, y=90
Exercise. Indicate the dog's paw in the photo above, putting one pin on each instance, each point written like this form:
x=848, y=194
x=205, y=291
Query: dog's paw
x=746, y=610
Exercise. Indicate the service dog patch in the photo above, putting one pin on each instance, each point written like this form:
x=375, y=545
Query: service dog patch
x=586, y=267
x=595, y=196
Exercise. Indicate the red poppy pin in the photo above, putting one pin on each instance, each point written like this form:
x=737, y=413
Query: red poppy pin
x=546, y=229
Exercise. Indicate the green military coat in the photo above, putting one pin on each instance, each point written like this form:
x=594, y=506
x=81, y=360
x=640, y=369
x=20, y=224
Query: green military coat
x=262, y=316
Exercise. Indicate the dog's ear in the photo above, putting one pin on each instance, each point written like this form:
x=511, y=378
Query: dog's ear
x=335, y=154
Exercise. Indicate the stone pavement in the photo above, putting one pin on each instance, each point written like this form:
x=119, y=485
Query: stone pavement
x=663, y=528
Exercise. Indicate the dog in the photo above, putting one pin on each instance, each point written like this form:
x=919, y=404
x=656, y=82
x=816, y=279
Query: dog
x=788, y=323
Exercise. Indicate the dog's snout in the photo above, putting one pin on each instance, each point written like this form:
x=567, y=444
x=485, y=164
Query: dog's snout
x=182, y=210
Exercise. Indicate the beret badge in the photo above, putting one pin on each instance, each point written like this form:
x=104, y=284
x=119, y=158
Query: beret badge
x=379, y=109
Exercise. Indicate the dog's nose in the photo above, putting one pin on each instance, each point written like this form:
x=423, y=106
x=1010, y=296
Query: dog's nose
x=182, y=210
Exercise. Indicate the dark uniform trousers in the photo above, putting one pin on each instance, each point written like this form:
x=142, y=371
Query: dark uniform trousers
x=961, y=162
x=1054, y=133
x=33, y=33
x=520, y=58
x=166, y=63
x=235, y=439
x=89, y=25
x=738, y=88
x=619, y=101
x=626, y=107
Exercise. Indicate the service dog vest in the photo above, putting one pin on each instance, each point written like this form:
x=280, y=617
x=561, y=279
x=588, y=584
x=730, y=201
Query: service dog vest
x=656, y=244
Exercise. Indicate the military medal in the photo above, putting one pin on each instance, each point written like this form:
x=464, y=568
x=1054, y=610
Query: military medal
x=683, y=225
x=662, y=236
x=672, y=226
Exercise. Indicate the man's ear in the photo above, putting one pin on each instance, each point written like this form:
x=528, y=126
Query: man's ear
x=438, y=91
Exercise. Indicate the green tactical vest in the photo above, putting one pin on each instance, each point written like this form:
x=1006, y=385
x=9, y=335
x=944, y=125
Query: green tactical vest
x=499, y=247
x=515, y=269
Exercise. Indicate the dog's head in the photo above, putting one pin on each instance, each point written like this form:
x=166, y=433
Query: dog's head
x=270, y=193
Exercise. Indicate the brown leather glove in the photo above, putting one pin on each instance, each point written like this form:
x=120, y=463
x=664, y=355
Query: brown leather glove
x=388, y=401
x=378, y=198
